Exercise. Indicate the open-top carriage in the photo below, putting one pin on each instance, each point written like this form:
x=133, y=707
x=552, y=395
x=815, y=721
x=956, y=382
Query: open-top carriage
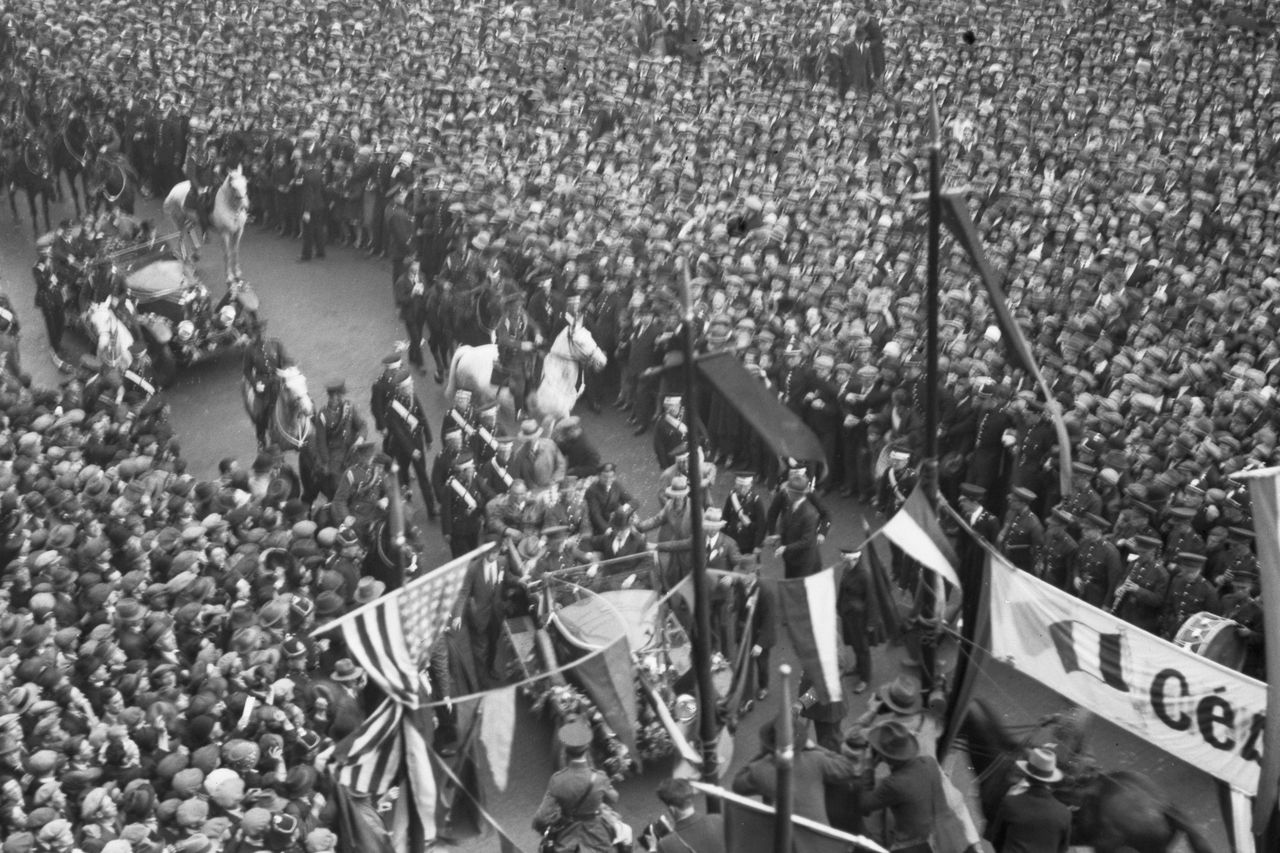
x=136, y=303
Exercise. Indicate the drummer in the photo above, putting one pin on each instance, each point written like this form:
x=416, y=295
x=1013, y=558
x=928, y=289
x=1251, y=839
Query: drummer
x=1189, y=593
x=1243, y=605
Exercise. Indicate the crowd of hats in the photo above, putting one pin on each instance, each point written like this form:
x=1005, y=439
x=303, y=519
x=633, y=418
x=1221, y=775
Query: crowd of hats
x=157, y=683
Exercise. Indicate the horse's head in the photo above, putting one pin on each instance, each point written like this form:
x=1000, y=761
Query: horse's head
x=237, y=186
x=577, y=343
x=293, y=385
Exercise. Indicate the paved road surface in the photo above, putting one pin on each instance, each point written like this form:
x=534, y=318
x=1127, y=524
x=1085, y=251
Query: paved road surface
x=336, y=317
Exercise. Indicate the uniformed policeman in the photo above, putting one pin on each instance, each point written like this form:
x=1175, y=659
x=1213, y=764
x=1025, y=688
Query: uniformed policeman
x=462, y=516
x=1141, y=597
x=1243, y=605
x=361, y=490
x=1022, y=535
x=494, y=474
x=1189, y=593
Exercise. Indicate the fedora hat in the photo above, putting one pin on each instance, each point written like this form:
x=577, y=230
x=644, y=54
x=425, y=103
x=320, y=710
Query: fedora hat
x=369, y=589
x=893, y=740
x=346, y=670
x=902, y=695
x=712, y=519
x=679, y=487
x=1041, y=764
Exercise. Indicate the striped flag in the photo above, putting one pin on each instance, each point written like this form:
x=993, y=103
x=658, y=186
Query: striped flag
x=1264, y=495
x=1082, y=648
x=391, y=638
x=915, y=530
x=808, y=608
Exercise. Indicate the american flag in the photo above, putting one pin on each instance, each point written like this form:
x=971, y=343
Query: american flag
x=391, y=639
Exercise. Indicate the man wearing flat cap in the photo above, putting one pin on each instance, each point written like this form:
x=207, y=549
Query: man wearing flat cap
x=1141, y=597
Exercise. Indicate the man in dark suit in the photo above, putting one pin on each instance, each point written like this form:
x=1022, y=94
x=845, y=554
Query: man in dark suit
x=399, y=234
x=798, y=529
x=619, y=541
x=1030, y=819
x=853, y=604
x=604, y=496
x=642, y=344
x=686, y=829
x=479, y=610
x=314, y=210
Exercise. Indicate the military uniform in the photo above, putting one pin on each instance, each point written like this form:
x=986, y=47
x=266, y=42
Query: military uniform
x=408, y=440
x=1021, y=539
x=744, y=520
x=360, y=489
x=331, y=443
x=1188, y=595
x=459, y=421
x=1057, y=556
x=1097, y=571
x=384, y=388
x=1143, y=605
x=668, y=435
x=462, y=509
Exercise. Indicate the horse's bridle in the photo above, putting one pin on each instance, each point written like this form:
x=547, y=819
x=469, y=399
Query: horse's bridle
x=575, y=348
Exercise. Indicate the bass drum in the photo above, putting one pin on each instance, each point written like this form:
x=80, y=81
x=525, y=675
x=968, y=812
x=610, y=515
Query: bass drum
x=1213, y=637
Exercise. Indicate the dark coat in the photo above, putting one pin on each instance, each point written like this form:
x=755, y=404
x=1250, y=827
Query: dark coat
x=1032, y=822
x=602, y=502
x=798, y=530
x=699, y=833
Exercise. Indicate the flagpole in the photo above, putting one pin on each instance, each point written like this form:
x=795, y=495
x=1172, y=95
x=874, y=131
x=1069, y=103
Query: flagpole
x=701, y=640
x=928, y=584
x=784, y=761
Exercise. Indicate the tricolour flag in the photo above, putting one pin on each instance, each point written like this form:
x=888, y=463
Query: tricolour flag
x=808, y=608
x=1264, y=493
x=391, y=638
x=915, y=530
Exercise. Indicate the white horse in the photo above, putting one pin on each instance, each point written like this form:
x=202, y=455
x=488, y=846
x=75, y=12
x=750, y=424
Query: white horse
x=562, y=378
x=114, y=340
x=230, y=213
x=285, y=420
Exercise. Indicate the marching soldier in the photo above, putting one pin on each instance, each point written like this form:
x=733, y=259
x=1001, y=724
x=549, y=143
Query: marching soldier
x=1182, y=536
x=462, y=516
x=1189, y=593
x=488, y=434
x=1141, y=597
x=408, y=437
x=853, y=603
x=745, y=514
x=460, y=418
x=384, y=388
x=494, y=474
x=1083, y=498
x=1022, y=536
x=1243, y=605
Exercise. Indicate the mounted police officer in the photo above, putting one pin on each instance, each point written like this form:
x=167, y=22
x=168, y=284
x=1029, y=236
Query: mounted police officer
x=518, y=354
x=202, y=168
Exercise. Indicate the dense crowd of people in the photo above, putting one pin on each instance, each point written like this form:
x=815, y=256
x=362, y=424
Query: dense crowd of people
x=583, y=159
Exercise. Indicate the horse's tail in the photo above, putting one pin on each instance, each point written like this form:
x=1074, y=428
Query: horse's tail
x=452, y=385
x=1180, y=823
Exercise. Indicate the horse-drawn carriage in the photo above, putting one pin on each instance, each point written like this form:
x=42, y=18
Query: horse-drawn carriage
x=135, y=302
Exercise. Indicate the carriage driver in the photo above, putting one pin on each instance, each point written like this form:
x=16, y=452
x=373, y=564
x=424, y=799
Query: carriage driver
x=518, y=354
x=202, y=169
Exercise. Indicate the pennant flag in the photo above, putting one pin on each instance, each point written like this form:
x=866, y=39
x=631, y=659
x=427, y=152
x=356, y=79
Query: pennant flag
x=609, y=680
x=882, y=589
x=779, y=427
x=468, y=816
x=808, y=609
x=955, y=214
x=915, y=530
x=748, y=828
x=1264, y=494
x=391, y=639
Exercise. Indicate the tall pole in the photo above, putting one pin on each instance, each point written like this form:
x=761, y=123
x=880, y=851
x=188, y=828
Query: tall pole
x=784, y=761
x=701, y=640
x=928, y=589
